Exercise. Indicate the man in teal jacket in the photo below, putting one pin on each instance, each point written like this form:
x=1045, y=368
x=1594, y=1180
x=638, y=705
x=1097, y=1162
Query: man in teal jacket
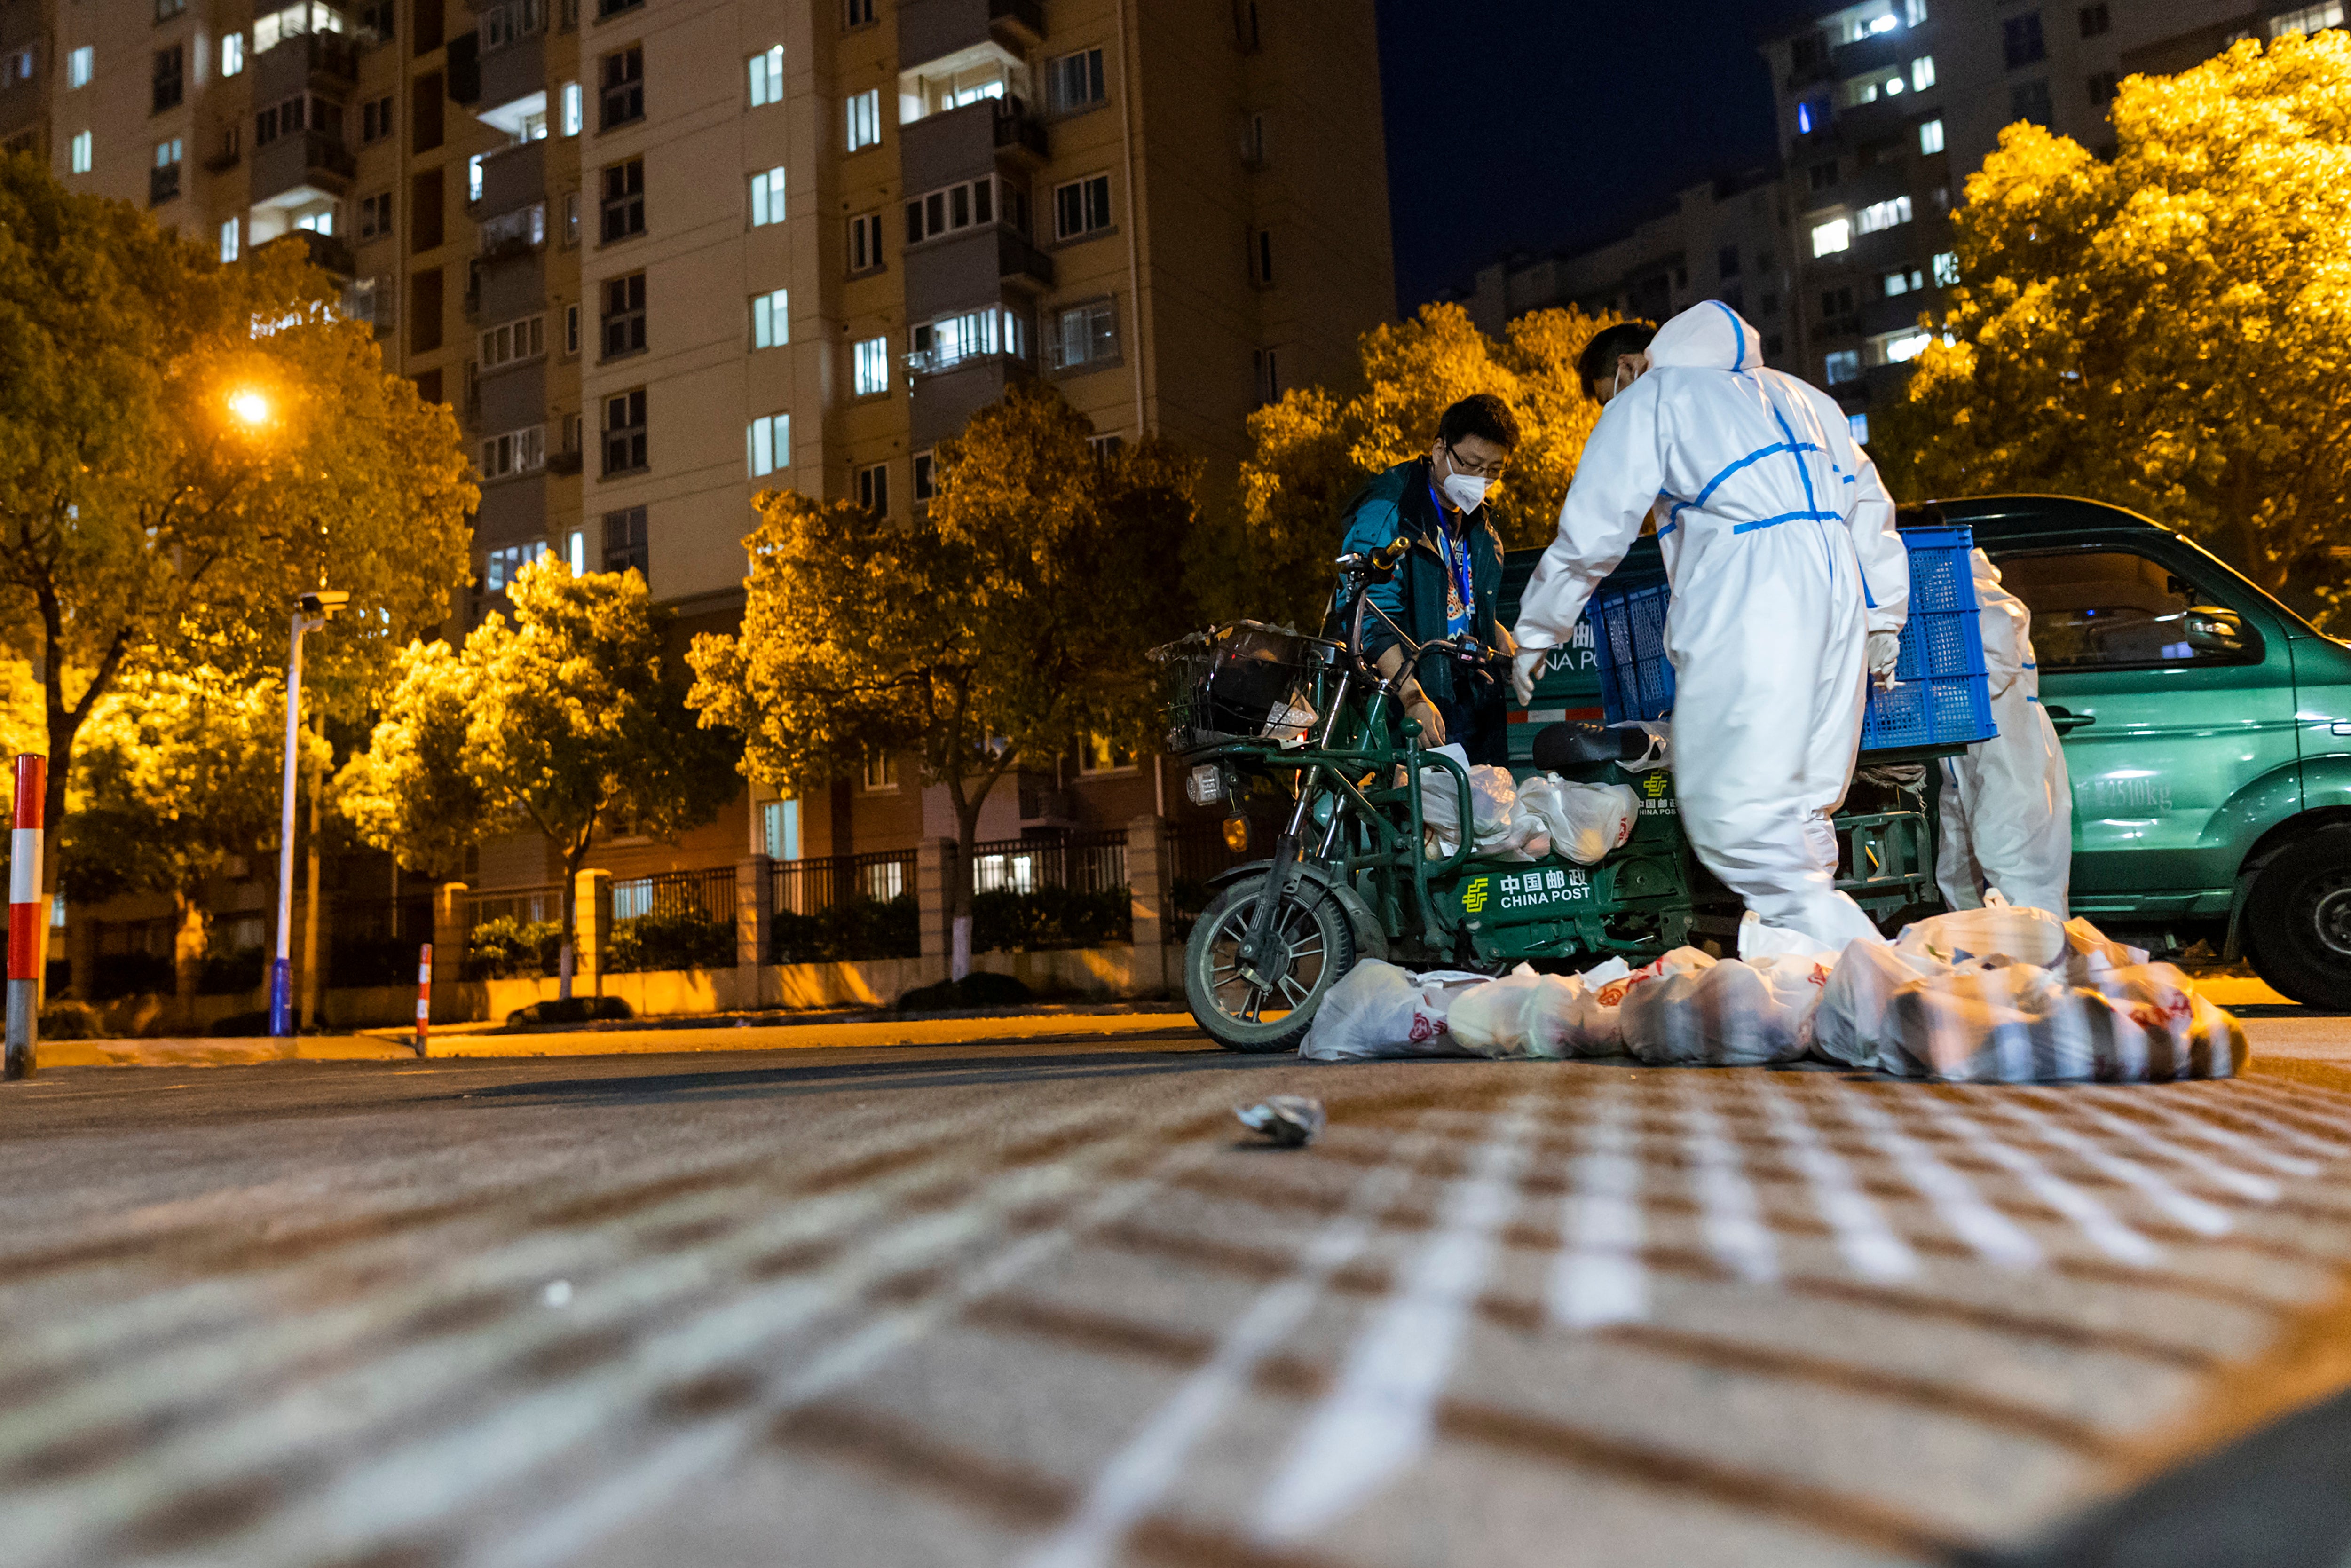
x=1450, y=579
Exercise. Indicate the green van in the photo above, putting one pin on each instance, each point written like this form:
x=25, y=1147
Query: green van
x=2207, y=727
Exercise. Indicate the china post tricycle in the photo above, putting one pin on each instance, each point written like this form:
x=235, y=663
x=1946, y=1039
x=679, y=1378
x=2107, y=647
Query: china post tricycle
x=1308, y=732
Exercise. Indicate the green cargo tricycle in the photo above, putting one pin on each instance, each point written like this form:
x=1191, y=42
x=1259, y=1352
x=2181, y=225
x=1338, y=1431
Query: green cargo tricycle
x=1305, y=732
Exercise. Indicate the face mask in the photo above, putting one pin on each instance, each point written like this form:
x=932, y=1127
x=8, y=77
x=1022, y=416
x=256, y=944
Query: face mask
x=1466, y=491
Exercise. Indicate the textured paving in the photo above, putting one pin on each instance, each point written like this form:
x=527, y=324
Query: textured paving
x=1039, y=1303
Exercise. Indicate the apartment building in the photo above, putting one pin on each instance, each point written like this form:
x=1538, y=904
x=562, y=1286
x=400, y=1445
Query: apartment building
x=664, y=255
x=1724, y=239
x=1886, y=107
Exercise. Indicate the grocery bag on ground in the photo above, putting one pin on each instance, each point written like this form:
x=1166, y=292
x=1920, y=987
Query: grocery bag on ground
x=1602, y=1031
x=1494, y=1019
x=1733, y=1013
x=2090, y=952
x=2028, y=936
x=1585, y=822
x=1992, y=1020
x=1379, y=1010
x=1567, y=1017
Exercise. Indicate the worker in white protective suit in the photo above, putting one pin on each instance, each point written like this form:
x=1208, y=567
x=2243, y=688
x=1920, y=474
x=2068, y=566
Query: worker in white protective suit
x=1790, y=588
x=2006, y=804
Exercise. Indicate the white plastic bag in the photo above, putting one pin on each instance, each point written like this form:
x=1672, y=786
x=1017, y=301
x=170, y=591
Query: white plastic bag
x=1496, y=827
x=1493, y=1019
x=1566, y=1017
x=1661, y=745
x=1379, y=1010
x=1585, y=822
x=1726, y=1014
x=2032, y=936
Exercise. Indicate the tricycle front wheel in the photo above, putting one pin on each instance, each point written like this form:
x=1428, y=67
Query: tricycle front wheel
x=1271, y=1009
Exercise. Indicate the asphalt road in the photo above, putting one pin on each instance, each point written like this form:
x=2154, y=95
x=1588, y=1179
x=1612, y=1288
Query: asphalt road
x=1045, y=1304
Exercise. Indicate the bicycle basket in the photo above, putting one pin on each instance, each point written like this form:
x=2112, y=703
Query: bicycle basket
x=1239, y=681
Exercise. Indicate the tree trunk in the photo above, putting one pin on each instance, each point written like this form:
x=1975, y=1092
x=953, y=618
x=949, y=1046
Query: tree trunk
x=959, y=887
x=188, y=946
x=314, y=963
x=570, y=925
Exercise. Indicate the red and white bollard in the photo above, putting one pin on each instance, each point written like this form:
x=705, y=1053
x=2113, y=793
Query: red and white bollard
x=423, y=994
x=28, y=933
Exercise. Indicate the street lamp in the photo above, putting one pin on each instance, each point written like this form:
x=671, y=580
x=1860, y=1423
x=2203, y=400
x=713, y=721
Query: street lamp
x=311, y=611
x=249, y=406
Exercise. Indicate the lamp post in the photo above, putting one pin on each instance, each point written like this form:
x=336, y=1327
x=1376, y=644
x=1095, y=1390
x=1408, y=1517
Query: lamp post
x=311, y=611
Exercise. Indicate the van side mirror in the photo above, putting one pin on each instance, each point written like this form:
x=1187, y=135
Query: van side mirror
x=2213, y=629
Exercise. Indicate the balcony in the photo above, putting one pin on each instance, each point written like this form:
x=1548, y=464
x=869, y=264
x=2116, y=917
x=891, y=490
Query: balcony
x=1878, y=52
x=932, y=29
x=325, y=252
x=324, y=62
x=517, y=232
x=945, y=400
x=975, y=264
x=309, y=158
x=515, y=70
x=163, y=184
x=513, y=177
x=962, y=144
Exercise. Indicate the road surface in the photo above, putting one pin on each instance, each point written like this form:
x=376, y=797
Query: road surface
x=1044, y=1305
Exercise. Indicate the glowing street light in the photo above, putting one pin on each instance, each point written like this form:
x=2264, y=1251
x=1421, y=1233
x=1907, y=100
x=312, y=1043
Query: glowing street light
x=249, y=406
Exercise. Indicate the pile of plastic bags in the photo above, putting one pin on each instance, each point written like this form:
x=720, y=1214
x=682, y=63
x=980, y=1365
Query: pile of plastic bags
x=2007, y=995
x=1514, y=820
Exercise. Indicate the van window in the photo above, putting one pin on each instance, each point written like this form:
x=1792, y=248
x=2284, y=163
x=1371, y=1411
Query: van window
x=2118, y=610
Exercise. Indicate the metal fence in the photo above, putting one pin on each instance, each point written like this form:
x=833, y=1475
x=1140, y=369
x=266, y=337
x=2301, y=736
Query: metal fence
x=1190, y=854
x=526, y=905
x=1081, y=863
x=821, y=883
x=674, y=894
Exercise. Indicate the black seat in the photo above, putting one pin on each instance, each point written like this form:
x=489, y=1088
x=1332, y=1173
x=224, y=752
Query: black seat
x=1566, y=748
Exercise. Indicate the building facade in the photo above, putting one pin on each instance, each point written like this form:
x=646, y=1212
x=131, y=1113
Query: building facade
x=1886, y=107
x=661, y=256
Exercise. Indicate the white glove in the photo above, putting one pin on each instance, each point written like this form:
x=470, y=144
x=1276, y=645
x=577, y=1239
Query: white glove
x=1523, y=670
x=1884, y=651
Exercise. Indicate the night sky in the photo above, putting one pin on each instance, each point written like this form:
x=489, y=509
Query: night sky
x=1541, y=123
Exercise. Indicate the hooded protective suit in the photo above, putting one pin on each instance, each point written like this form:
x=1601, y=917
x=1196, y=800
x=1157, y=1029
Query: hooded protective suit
x=2008, y=804
x=1780, y=544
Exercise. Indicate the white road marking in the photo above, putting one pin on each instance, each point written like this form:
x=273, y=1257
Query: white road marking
x=1139, y=1474
x=1868, y=1243
x=1599, y=1278
x=2202, y=1217
x=2260, y=1189
x=2265, y=1099
x=1379, y=1416
x=1992, y=1233
x=2205, y=1130
x=1729, y=1215
x=2106, y=1233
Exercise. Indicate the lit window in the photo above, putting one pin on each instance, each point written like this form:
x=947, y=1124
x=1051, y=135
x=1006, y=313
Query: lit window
x=772, y=443
x=882, y=772
x=770, y=320
x=575, y=108
x=1914, y=12
x=1097, y=753
x=575, y=548
x=1922, y=72
x=1084, y=335
x=79, y=64
x=864, y=119
x=780, y=829
x=1830, y=238
x=768, y=197
x=872, y=367
x=1859, y=424
x=942, y=344
x=1893, y=86
x=1931, y=136
x=1906, y=280
x=2309, y=19
x=1881, y=215
x=474, y=178
x=1844, y=365
x=767, y=69
x=80, y=154
x=230, y=234
x=1811, y=115
x=231, y=54
x=1947, y=269
x=1879, y=25
x=1898, y=347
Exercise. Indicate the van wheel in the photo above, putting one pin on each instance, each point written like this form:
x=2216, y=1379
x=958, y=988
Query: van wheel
x=2298, y=920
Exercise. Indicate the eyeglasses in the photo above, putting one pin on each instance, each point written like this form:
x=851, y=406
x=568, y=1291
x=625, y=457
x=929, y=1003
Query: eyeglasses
x=1475, y=471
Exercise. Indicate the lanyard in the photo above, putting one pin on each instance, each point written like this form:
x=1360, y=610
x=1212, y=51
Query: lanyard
x=1457, y=551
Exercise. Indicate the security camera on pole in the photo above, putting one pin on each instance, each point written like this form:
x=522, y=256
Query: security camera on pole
x=311, y=611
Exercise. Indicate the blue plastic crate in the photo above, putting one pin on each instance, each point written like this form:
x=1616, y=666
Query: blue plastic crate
x=1942, y=698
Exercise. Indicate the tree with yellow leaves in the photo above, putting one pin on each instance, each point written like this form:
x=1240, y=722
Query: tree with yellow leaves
x=2170, y=331
x=1271, y=560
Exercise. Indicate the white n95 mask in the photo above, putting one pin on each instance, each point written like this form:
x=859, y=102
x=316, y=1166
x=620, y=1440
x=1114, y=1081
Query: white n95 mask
x=1466, y=491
